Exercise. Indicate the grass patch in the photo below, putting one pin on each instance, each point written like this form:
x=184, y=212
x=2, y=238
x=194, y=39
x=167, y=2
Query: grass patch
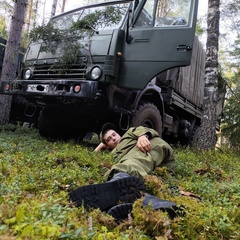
x=36, y=176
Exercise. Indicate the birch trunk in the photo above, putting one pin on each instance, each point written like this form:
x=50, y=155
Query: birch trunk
x=207, y=137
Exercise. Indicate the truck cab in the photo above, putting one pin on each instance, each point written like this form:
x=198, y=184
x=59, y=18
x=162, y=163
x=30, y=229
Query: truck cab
x=99, y=63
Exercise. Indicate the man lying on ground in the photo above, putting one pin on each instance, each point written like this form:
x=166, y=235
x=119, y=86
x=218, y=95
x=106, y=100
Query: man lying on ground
x=137, y=153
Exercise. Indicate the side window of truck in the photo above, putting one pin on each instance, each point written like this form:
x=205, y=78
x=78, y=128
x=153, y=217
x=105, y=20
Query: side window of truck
x=172, y=13
x=167, y=13
x=145, y=18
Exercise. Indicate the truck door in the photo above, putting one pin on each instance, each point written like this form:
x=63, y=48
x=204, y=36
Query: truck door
x=160, y=37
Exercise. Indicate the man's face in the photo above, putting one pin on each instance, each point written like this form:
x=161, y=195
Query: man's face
x=111, y=138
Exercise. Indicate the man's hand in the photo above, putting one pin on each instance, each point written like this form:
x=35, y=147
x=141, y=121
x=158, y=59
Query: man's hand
x=143, y=144
x=101, y=146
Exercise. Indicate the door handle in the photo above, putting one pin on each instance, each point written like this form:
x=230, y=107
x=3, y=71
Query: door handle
x=183, y=48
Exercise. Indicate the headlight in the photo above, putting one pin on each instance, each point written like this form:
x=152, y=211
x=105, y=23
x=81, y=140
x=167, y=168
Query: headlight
x=28, y=74
x=95, y=73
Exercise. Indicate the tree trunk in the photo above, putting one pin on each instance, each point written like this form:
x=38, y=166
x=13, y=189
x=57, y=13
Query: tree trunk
x=29, y=16
x=63, y=6
x=207, y=138
x=11, y=55
x=54, y=7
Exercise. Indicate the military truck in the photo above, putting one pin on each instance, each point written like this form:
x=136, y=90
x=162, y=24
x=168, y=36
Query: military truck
x=138, y=62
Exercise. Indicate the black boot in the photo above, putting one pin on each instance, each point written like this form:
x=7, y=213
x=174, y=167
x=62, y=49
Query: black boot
x=164, y=205
x=121, y=211
x=118, y=176
x=105, y=195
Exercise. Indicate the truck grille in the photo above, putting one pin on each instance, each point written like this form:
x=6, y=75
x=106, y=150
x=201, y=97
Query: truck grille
x=55, y=72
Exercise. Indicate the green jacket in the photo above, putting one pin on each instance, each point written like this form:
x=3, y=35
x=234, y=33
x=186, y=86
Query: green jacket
x=131, y=160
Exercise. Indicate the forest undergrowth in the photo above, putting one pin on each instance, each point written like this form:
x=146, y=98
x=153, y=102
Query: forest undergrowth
x=37, y=175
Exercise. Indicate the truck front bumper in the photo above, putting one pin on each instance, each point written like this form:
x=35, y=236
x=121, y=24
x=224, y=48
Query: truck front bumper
x=61, y=87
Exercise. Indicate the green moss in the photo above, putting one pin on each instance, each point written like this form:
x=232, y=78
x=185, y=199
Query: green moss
x=36, y=177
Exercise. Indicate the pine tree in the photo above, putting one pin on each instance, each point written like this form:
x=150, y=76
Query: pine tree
x=54, y=7
x=11, y=54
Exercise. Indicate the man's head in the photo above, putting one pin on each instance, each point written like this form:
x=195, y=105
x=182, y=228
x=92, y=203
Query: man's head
x=109, y=136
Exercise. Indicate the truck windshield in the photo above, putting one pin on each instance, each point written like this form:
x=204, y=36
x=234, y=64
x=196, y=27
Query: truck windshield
x=97, y=17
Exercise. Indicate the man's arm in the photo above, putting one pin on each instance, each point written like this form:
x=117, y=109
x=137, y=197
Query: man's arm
x=144, y=144
x=101, y=146
x=140, y=130
x=134, y=137
x=143, y=135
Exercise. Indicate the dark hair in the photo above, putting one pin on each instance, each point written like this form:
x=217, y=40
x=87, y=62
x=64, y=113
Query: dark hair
x=106, y=127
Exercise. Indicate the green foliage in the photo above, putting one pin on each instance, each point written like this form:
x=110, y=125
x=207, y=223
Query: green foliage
x=3, y=28
x=54, y=37
x=36, y=177
x=231, y=117
x=199, y=29
x=230, y=129
x=62, y=36
x=99, y=19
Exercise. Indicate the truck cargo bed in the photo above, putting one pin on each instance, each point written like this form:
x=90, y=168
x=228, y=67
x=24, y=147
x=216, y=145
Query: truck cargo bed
x=188, y=81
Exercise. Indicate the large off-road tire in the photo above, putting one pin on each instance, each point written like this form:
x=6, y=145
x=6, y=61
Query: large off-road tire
x=56, y=124
x=147, y=115
x=48, y=125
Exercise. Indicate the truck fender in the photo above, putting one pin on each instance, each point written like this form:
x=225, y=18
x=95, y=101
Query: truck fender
x=148, y=109
x=151, y=93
